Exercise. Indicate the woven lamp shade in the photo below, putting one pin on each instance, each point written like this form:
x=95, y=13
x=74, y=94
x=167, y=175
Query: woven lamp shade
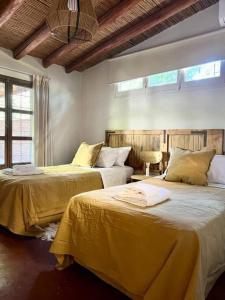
x=69, y=25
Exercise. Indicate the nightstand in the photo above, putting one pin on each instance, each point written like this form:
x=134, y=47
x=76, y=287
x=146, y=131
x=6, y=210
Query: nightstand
x=140, y=177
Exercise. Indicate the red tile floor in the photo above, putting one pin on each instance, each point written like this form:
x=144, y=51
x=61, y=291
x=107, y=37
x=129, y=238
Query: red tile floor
x=27, y=272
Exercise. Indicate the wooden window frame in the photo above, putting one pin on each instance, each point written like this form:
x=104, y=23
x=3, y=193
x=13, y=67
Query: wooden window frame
x=8, y=110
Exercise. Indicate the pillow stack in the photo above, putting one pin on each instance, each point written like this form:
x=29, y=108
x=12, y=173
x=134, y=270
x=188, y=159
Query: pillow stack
x=189, y=166
x=103, y=157
x=107, y=157
x=110, y=157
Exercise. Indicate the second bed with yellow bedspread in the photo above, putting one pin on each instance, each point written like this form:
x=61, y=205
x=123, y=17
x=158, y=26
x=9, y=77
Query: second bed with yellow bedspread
x=27, y=201
x=173, y=251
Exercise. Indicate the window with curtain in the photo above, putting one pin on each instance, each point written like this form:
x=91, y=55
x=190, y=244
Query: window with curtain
x=16, y=121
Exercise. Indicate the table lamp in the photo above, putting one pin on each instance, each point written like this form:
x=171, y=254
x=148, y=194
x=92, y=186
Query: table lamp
x=150, y=158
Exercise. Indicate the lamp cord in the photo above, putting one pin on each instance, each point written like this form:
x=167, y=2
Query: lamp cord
x=78, y=17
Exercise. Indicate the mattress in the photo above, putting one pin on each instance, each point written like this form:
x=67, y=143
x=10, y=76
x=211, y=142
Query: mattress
x=175, y=250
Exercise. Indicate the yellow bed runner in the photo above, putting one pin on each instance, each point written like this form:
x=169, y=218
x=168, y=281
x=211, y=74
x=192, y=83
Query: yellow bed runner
x=26, y=201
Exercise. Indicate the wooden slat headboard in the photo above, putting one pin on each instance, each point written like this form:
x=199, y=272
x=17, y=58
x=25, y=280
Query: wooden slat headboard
x=163, y=140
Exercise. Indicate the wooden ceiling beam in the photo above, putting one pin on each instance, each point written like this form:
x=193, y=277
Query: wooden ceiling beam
x=148, y=23
x=115, y=12
x=108, y=18
x=34, y=40
x=7, y=9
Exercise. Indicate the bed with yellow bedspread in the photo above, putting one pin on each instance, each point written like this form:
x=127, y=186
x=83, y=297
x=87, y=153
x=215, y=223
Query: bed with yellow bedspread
x=173, y=251
x=28, y=201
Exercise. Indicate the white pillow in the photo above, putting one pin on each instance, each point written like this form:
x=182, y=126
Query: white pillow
x=122, y=153
x=216, y=173
x=107, y=157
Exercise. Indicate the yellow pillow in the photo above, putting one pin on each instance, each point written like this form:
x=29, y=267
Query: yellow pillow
x=87, y=155
x=189, y=167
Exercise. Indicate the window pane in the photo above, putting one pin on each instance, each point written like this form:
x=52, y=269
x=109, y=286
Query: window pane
x=2, y=123
x=163, y=78
x=2, y=152
x=2, y=94
x=21, y=124
x=21, y=98
x=21, y=151
x=205, y=71
x=130, y=85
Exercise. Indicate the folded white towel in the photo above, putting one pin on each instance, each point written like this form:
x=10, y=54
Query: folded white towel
x=143, y=195
x=24, y=168
x=17, y=171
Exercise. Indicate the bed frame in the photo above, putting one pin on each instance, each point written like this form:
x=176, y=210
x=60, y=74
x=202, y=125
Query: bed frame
x=163, y=140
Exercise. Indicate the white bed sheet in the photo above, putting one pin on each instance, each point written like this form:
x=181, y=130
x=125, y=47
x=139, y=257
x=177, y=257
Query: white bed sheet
x=217, y=185
x=115, y=175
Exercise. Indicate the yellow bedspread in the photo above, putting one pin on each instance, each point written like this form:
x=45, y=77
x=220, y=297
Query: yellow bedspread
x=173, y=251
x=26, y=201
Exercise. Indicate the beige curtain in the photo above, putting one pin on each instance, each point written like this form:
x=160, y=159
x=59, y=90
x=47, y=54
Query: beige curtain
x=42, y=127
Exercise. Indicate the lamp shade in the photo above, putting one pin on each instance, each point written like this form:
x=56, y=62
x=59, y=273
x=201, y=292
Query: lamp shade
x=152, y=157
x=73, y=21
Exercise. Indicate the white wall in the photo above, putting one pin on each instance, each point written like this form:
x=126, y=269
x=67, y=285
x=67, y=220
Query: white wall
x=192, y=108
x=65, y=102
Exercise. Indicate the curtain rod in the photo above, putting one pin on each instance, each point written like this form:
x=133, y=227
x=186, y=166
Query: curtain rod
x=169, y=44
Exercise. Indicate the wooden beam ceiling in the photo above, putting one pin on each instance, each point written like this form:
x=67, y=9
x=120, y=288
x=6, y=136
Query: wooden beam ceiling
x=148, y=23
x=108, y=18
x=34, y=40
x=43, y=33
x=7, y=9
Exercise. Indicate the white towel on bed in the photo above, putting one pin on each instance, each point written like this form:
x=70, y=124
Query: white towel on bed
x=143, y=195
x=22, y=170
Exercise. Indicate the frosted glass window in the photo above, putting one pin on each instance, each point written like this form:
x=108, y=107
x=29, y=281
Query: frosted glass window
x=21, y=98
x=2, y=123
x=2, y=95
x=21, y=151
x=205, y=71
x=2, y=152
x=164, y=78
x=130, y=85
x=21, y=124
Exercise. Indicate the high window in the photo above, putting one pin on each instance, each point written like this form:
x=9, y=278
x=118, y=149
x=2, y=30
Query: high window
x=164, y=78
x=195, y=76
x=130, y=85
x=16, y=121
x=205, y=71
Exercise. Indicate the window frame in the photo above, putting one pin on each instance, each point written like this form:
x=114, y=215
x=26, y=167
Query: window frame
x=206, y=83
x=126, y=93
x=214, y=82
x=163, y=87
x=9, y=110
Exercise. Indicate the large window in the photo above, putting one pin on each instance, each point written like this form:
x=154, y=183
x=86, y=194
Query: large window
x=16, y=121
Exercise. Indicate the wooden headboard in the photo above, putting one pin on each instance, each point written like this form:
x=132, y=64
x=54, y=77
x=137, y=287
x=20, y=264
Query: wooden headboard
x=163, y=140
